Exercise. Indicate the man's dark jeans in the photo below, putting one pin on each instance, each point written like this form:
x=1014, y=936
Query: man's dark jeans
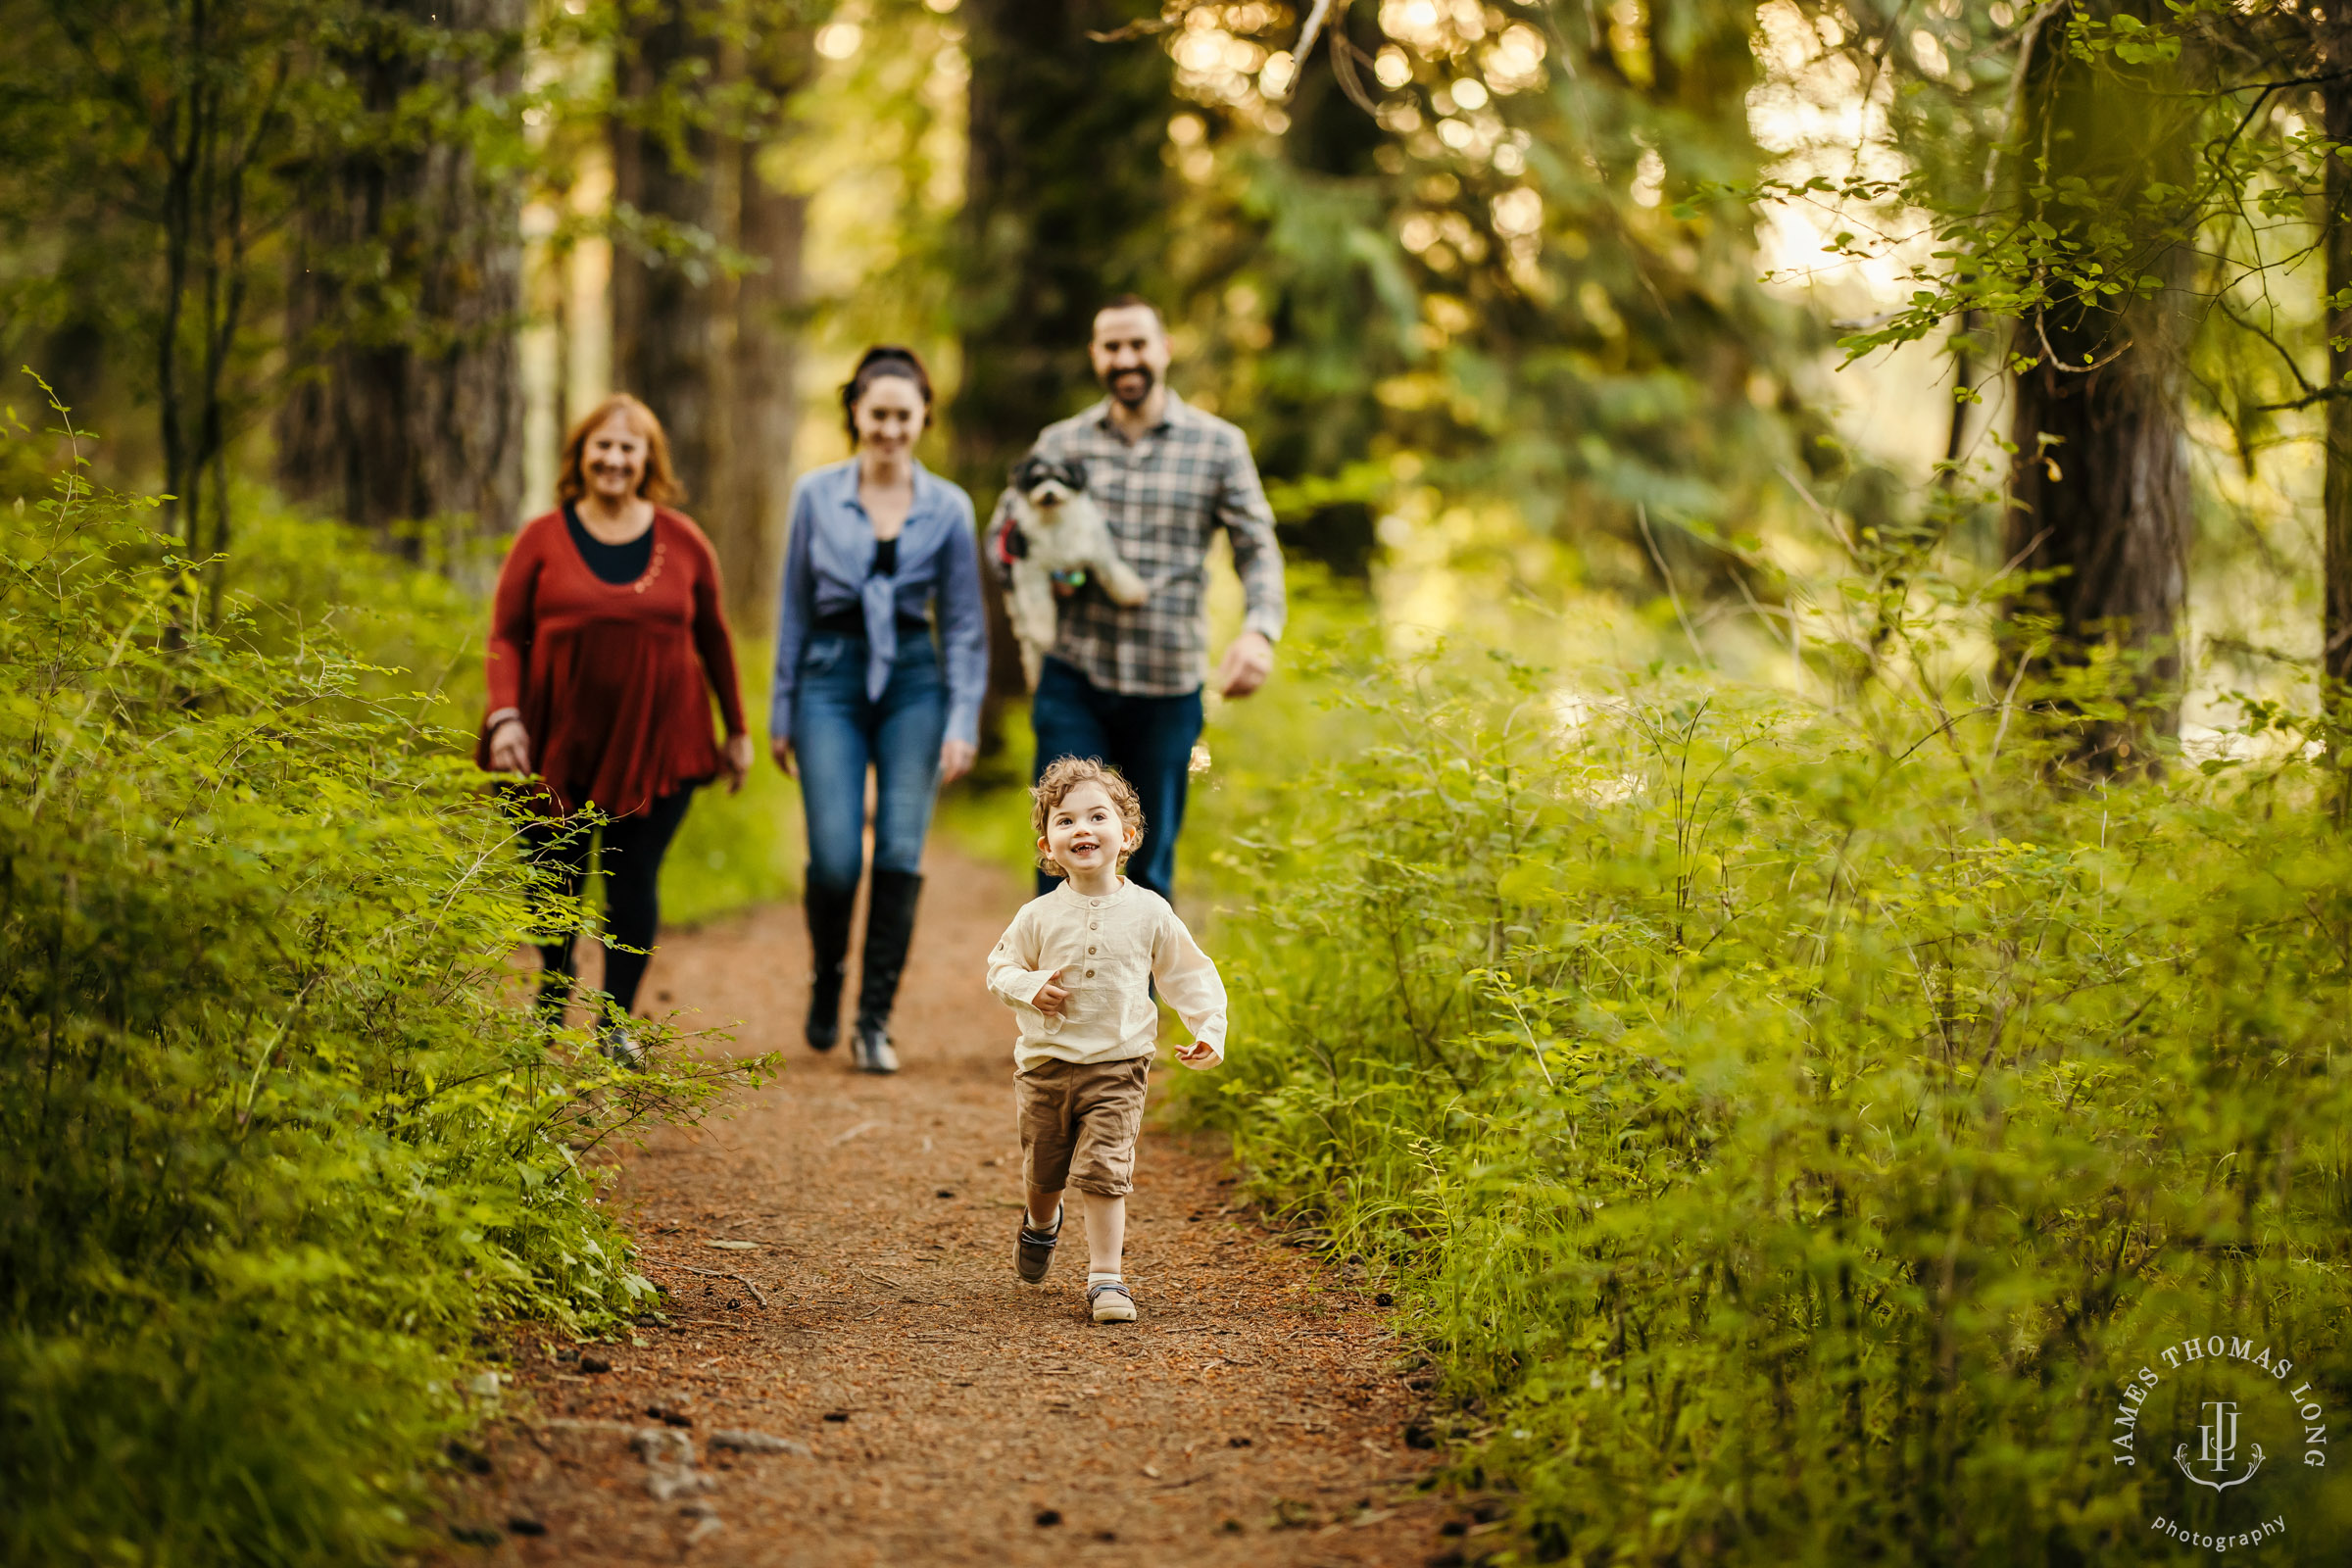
x=1147, y=739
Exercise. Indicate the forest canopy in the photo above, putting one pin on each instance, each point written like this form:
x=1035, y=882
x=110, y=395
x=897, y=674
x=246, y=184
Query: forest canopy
x=1590, y=305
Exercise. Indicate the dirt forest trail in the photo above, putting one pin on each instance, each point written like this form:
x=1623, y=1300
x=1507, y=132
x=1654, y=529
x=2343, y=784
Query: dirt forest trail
x=839, y=1259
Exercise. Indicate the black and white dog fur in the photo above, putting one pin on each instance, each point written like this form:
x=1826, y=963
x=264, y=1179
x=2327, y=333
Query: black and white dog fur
x=1065, y=537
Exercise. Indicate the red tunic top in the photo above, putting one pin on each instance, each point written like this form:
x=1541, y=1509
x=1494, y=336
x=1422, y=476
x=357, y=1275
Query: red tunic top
x=608, y=676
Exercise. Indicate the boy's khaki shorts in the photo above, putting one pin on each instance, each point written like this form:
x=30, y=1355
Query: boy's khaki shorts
x=1079, y=1122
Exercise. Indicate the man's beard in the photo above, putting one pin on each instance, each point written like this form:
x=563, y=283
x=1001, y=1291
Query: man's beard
x=1145, y=380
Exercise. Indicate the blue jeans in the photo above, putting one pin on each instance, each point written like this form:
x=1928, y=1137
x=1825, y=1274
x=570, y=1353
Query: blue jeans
x=1147, y=739
x=837, y=732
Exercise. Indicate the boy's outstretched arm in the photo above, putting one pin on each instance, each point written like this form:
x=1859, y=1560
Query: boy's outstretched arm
x=1188, y=982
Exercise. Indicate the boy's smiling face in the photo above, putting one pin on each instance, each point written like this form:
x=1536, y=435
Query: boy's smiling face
x=1084, y=833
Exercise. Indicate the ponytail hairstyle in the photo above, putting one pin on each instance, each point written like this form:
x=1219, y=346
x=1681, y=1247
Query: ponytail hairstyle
x=883, y=359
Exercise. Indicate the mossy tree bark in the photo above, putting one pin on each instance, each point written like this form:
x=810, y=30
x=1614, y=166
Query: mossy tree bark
x=2099, y=491
x=753, y=482
x=666, y=203
x=2336, y=101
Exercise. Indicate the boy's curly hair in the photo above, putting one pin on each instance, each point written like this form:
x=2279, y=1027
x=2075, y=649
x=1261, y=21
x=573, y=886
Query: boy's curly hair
x=1066, y=775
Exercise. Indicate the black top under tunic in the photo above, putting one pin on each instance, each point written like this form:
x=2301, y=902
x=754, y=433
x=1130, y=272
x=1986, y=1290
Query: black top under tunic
x=614, y=563
x=849, y=621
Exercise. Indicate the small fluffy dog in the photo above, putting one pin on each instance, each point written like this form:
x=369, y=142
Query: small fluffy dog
x=1066, y=539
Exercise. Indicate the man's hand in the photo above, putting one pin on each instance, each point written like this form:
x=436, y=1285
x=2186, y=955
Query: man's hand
x=780, y=749
x=1246, y=664
x=736, y=761
x=1051, y=995
x=1200, y=1054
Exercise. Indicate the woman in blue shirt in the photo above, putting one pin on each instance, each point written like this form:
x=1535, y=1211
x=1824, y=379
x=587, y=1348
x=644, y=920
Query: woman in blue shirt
x=875, y=543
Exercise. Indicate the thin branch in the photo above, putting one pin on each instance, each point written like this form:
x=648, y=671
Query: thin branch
x=1142, y=28
x=2314, y=394
x=2014, y=561
x=2325, y=394
x=2029, y=38
x=2058, y=364
x=1309, y=33
x=1819, y=510
x=1945, y=728
x=721, y=1274
x=2262, y=93
x=2000, y=731
x=1344, y=56
x=1641, y=512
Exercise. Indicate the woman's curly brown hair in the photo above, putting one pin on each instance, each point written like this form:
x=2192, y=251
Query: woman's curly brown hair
x=1054, y=786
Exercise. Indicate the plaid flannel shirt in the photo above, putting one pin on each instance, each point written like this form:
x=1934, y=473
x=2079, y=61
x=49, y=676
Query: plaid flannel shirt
x=1162, y=497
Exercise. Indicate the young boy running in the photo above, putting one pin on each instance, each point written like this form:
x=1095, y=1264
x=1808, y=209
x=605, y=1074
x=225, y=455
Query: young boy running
x=1076, y=966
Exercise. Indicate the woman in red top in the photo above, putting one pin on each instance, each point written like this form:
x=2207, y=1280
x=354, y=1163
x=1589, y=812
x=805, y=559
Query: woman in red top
x=606, y=629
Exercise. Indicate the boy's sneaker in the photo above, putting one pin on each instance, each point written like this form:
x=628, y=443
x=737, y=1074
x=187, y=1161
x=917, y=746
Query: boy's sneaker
x=1110, y=1303
x=1032, y=1249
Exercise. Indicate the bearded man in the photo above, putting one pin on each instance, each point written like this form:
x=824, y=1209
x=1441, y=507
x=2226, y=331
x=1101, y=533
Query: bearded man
x=1123, y=684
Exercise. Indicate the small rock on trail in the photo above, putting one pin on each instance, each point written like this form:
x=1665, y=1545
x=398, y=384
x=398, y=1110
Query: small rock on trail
x=743, y=1441
x=900, y=1398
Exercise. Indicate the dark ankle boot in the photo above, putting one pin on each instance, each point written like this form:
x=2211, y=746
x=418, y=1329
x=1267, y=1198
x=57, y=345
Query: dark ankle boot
x=889, y=928
x=829, y=946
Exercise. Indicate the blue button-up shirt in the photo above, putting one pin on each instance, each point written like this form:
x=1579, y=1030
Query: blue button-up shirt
x=829, y=568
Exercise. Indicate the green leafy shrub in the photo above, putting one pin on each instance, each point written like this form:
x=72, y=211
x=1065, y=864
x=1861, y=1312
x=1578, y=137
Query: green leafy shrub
x=1787, y=1140
x=275, y=1144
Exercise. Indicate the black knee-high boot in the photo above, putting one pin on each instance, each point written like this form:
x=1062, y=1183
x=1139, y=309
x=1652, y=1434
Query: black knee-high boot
x=889, y=928
x=554, y=979
x=829, y=910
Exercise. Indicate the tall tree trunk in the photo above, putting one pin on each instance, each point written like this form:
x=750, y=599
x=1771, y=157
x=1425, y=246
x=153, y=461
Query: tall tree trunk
x=406, y=291
x=750, y=533
x=1066, y=202
x=2099, y=493
x=714, y=351
x=666, y=348
x=2336, y=99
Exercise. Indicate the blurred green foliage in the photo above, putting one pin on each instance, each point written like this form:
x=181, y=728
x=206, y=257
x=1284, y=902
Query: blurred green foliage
x=1786, y=1126
x=276, y=1144
x=1454, y=252
x=738, y=850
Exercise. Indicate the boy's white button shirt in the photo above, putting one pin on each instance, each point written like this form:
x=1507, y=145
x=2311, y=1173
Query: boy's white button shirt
x=1107, y=949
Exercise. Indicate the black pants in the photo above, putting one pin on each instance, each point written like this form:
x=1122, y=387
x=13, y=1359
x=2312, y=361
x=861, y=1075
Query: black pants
x=631, y=860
